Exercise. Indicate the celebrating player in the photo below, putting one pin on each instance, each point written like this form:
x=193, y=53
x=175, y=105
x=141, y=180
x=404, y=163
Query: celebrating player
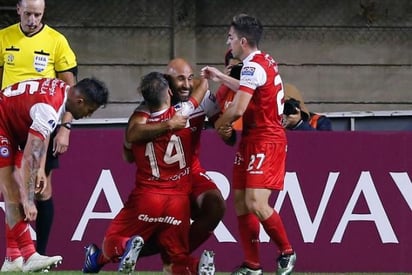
x=159, y=204
x=208, y=205
x=259, y=164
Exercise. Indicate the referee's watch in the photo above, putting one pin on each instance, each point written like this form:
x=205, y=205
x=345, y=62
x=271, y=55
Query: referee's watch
x=67, y=125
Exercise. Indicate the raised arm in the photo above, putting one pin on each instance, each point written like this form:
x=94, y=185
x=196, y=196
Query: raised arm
x=199, y=90
x=217, y=76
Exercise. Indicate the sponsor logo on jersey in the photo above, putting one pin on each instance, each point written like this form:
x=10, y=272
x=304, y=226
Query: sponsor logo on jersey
x=4, y=152
x=167, y=219
x=248, y=71
x=40, y=62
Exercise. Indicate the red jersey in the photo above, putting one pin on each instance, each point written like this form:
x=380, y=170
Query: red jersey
x=262, y=118
x=224, y=96
x=163, y=164
x=33, y=106
x=208, y=108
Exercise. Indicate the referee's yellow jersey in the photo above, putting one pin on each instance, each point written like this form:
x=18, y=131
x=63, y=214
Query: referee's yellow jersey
x=26, y=57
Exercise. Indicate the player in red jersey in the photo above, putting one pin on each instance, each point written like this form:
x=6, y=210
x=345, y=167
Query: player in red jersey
x=208, y=205
x=259, y=164
x=31, y=49
x=224, y=95
x=159, y=204
x=29, y=111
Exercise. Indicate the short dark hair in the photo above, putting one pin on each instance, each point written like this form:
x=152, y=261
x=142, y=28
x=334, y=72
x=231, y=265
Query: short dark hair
x=152, y=88
x=94, y=90
x=228, y=56
x=249, y=27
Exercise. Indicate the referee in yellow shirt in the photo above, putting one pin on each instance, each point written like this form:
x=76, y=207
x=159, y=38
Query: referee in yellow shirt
x=28, y=50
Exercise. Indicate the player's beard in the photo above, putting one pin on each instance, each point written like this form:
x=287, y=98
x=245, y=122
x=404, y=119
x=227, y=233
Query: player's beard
x=180, y=94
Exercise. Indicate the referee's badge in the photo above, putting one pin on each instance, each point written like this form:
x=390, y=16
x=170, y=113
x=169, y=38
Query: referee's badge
x=40, y=62
x=10, y=59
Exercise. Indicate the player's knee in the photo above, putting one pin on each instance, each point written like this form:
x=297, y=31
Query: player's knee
x=214, y=206
x=260, y=209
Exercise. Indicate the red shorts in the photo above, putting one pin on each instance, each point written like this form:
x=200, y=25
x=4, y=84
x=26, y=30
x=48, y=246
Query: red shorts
x=200, y=184
x=165, y=217
x=260, y=165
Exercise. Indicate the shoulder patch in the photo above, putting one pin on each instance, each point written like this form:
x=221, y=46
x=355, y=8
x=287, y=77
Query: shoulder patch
x=249, y=71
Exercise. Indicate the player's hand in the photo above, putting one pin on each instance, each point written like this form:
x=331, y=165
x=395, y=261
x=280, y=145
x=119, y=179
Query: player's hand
x=30, y=210
x=41, y=181
x=211, y=73
x=61, y=141
x=290, y=121
x=178, y=121
x=225, y=132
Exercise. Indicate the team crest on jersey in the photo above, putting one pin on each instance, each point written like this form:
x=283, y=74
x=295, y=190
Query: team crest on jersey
x=40, y=62
x=248, y=71
x=52, y=123
x=4, y=151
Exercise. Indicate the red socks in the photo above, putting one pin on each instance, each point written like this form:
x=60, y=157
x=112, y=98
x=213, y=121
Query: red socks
x=21, y=235
x=249, y=234
x=276, y=231
x=113, y=248
x=12, y=248
x=248, y=226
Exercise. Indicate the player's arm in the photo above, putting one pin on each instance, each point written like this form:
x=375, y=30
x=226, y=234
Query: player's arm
x=127, y=152
x=26, y=177
x=61, y=141
x=235, y=109
x=199, y=90
x=138, y=131
x=217, y=76
x=41, y=180
x=226, y=133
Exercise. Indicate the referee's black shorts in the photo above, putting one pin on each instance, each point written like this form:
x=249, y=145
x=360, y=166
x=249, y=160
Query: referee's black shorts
x=52, y=162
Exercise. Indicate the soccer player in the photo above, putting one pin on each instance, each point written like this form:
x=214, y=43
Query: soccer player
x=208, y=205
x=259, y=165
x=29, y=112
x=224, y=95
x=28, y=50
x=159, y=204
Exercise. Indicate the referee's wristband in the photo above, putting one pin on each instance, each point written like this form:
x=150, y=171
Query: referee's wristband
x=67, y=125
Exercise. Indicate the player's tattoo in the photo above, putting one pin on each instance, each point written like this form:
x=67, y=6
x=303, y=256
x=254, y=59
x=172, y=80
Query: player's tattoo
x=36, y=153
x=13, y=213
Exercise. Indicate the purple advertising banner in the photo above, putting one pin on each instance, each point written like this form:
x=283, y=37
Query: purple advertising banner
x=347, y=202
